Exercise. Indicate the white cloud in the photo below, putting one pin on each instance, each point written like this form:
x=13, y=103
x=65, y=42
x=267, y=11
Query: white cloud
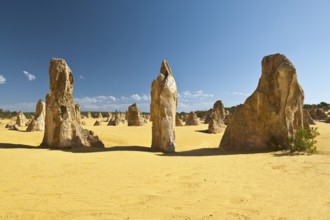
x=197, y=94
x=81, y=77
x=136, y=97
x=22, y=106
x=2, y=79
x=29, y=75
x=237, y=93
x=112, y=98
x=111, y=103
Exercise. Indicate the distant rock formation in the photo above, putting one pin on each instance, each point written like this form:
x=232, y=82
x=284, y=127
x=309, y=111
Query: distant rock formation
x=307, y=119
x=192, y=119
x=20, y=120
x=38, y=122
x=178, y=121
x=61, y=125
x=97, y=123
x=117, y=119
x=99, y=116
x=164, y=101
x=89, y=115
x=273, y=111
x=208, y=116
x=318, y=114
x=218, y=114
x=134, y=116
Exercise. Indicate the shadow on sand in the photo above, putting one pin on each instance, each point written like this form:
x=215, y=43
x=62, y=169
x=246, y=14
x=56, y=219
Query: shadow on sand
x=76, y=149
x=201, y=152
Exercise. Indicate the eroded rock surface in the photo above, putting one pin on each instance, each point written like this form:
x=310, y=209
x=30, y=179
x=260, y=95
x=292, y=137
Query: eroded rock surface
x=134, y=116
x=273, y=111
x=38, y=122
x=192, y=119
x=164, y=100
x=216, y=123
x=62, y=128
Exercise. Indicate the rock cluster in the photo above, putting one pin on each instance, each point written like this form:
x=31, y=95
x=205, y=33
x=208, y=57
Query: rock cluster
x=38, y=122
x=192, y=119
x=117, y=119
x=273, y=111
x=62, y=128
x=164, y=100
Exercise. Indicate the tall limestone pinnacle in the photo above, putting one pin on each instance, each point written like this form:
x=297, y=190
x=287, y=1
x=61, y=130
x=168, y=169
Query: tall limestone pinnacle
x=62, y=127
x=164, y=100
x=273, y=111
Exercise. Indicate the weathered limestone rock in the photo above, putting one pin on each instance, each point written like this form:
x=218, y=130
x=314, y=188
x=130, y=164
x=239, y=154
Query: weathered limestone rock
x=99, y=116
x=97, y=123
x=208, y=116
x=89, y=115
x=178, y=121
x=61, y=125
x=20, y=119
x=307, y=119
x=216, y=123
x=13, y=127
x=192, y=119
x=117, y=119
x=274, y=110
x=38, y=122
x=164, y=101
x=318, y=114
x=109, y=116
x=78, y=114
x=134, y=116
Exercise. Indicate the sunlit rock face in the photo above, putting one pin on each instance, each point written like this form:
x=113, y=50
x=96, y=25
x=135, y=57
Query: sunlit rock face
x=134, y=116
x=218, y=114
x=38, y=122
x=273, y=111
x=164, y=100
x=62, y=128
x=192, y=119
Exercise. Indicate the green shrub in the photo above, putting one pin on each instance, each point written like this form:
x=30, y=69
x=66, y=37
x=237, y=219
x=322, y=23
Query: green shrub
x=303, y=141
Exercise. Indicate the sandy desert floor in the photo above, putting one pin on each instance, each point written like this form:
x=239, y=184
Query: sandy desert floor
x=127, y=181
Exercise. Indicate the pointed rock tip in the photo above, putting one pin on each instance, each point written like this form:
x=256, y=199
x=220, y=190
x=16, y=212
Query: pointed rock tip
x=165, y=68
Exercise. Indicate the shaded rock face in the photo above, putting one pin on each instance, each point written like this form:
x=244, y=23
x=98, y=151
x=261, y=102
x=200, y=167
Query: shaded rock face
x=307, y=119
x=208, y=116
x=38, y=122
x=164, y=101
x=97, y=123
x=62, y=128
x=178, y=121
x=20, y=119
x=134, y=116
x=192, y=119
x=216, y=123
x=318, y=114
x=78, y=114
x=274, y=110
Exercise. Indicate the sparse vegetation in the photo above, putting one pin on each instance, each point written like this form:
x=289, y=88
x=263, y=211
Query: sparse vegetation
x=303, y=141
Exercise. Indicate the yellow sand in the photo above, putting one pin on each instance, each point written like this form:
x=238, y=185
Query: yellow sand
x=129, y=182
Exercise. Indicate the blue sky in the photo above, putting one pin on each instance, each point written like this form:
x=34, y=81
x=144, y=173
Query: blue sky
x=115, y=48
